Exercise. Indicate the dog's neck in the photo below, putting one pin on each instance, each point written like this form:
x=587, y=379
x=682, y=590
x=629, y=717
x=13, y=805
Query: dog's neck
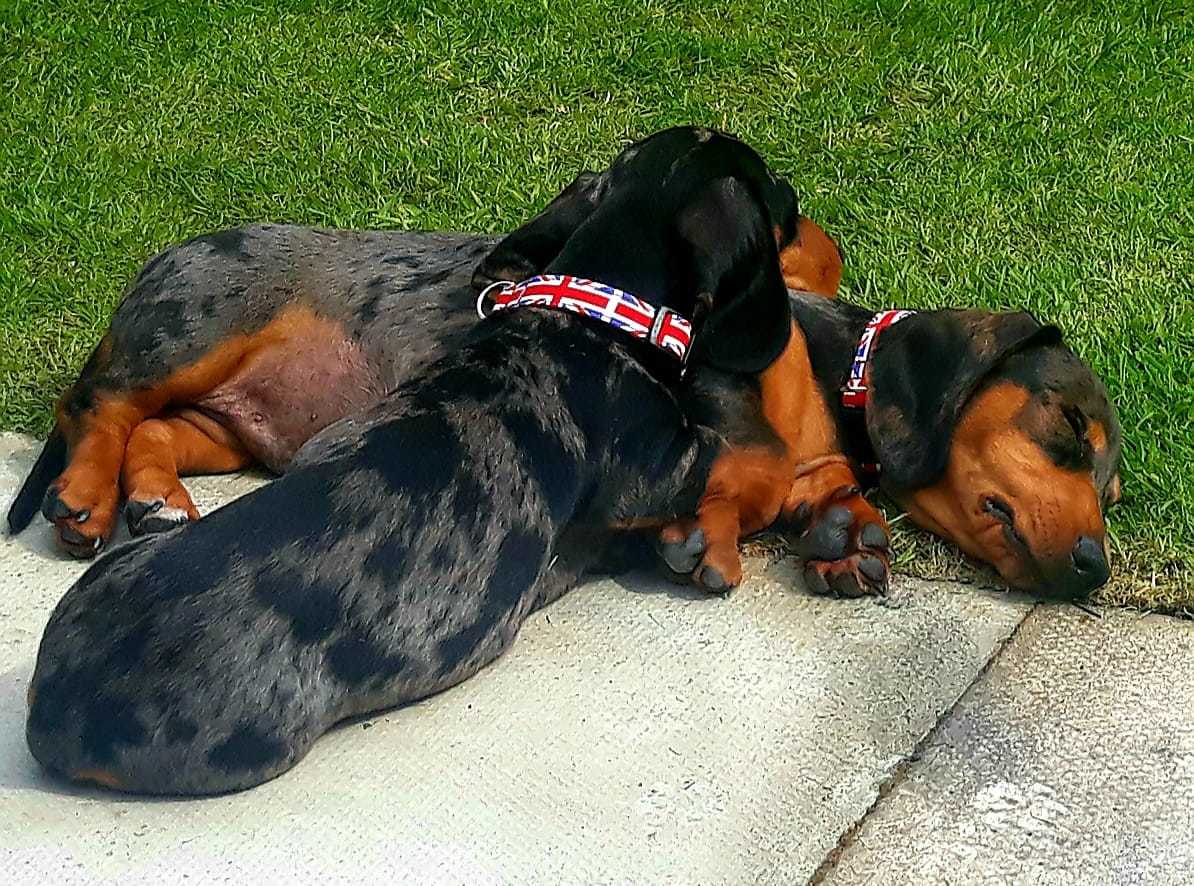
x=832, y=330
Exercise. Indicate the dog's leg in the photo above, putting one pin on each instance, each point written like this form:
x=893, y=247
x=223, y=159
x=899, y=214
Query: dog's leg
x=743, y=495
x=841, y=537
x=706, y=549
x=159, y=451
x=83, y=500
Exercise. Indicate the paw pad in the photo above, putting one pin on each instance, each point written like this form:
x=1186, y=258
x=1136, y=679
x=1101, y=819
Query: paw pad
x=683, y=556
x=145, y=517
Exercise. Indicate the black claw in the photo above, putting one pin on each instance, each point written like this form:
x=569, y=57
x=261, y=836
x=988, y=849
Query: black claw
x=711, y=579
x=845, y=585
x=873, y=536
x=136, y=511
x=874, y=569
x=829, y=537
x=815, y=582
x=72, y=536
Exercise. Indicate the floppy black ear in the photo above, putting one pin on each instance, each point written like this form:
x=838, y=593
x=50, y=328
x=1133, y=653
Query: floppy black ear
x=923, y=372
x=730, y=240
x=783, y=206
x=750, y=332
x=526, y=251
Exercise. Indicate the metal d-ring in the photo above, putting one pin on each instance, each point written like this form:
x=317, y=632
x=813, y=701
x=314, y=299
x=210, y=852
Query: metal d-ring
x=506, y=284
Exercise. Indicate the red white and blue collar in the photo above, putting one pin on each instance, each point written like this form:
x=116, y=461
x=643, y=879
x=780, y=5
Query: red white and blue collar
x=661, y=327
x=854, y=392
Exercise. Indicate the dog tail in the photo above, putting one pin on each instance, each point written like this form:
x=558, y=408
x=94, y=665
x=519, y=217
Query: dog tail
x=49, y=465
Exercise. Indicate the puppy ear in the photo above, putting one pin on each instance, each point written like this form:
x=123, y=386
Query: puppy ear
x=526, y=251
x=729, y=238
x=923, y=372
x=749, y=333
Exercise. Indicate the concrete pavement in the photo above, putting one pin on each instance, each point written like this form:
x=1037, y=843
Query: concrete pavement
x=1071, y=760
x=635, y=733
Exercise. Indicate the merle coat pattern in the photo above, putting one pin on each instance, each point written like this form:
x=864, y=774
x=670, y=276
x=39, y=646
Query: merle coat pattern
x=401, y=553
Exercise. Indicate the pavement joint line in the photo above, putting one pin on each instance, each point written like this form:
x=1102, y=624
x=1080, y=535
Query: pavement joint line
x=900, y=771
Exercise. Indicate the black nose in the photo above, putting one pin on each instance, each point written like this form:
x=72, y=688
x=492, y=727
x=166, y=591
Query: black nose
x=1090, y=566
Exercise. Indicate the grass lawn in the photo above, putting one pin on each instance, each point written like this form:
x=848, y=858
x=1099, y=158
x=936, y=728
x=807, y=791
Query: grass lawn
x=1027, y=155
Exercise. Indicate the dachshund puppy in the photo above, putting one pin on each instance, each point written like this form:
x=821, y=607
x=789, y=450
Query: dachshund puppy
x=401, y=553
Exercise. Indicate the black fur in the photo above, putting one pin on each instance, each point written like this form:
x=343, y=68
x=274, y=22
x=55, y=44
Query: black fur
x=405, y=546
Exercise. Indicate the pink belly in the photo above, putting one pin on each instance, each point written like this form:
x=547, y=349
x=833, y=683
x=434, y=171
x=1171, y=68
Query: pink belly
x=283, y=394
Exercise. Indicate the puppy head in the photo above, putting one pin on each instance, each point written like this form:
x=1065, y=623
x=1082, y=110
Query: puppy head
x=809, y=259
x=688, y=218
x=995, y=436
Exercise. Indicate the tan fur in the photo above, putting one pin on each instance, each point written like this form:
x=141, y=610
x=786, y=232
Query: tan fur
x=98, y=440
x=992, y=455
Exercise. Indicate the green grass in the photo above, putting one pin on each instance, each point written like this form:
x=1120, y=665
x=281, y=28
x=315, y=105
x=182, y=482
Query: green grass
x=1029, y=155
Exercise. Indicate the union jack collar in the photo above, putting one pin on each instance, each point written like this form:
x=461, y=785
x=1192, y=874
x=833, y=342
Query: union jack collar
x=854, y=392
x=661, y=327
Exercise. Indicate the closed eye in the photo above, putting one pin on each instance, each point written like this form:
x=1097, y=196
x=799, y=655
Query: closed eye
x=1077, y=421
x=1000, y=510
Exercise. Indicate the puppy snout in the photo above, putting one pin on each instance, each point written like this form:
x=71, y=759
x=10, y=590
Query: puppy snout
x=1090, y=569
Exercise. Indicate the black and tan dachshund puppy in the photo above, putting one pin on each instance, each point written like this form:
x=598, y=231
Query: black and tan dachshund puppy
x=983, y=426
x=401, y=554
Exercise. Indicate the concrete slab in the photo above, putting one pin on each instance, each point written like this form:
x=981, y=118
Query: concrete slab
x=634, y=733
x=1070, y=761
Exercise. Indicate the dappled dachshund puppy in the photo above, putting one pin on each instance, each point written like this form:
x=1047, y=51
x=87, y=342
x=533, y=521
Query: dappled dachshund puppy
x=401, y=553
x=237, y=347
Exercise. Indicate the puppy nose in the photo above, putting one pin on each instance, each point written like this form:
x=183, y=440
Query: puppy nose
x=1090, y=565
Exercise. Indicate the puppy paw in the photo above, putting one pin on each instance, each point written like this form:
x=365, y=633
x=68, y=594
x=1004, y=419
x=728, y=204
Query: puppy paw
x=148, y=513
x=83, y=523
x=846, y=552
x=688, y=557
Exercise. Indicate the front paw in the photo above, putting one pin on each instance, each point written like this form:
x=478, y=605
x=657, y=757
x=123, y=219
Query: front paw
x=688, y=557
x=846, y=552
x=83, y=516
